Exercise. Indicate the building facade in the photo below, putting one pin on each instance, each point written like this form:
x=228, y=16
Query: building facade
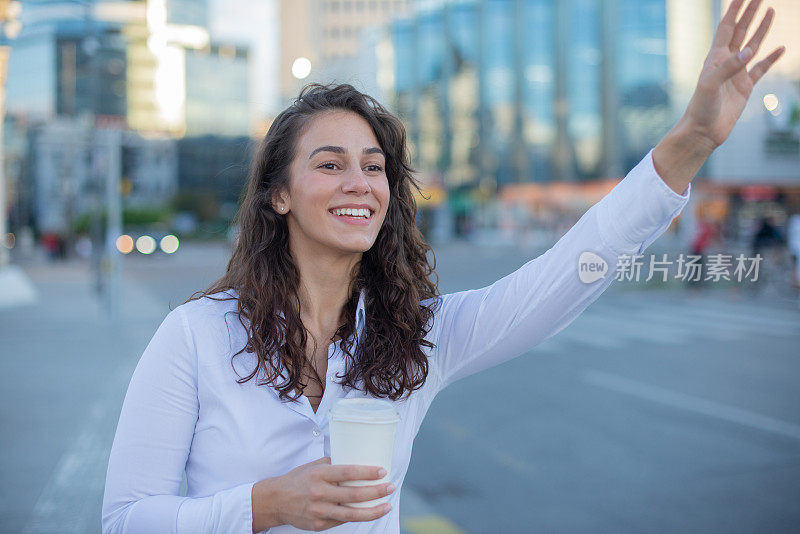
x=329, y=35
x=64, y=159
x=139, y=64
x=497, y=92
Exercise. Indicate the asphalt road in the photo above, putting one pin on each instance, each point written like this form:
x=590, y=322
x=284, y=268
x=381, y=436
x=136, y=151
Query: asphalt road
x=655, y=411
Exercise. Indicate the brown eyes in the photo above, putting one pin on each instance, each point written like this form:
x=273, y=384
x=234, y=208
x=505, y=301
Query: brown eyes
x=328, y=166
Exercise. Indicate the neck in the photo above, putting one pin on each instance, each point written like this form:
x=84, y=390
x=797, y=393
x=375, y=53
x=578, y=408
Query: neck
x=324, y=287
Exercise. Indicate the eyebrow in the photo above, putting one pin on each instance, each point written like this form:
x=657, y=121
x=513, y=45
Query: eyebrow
x=341, y=150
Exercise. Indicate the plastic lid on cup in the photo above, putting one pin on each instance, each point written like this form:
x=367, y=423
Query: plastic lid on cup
x=364, y=410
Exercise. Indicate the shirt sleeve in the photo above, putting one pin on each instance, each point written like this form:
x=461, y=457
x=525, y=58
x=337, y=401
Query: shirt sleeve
x=477, y=329
x=152, y=443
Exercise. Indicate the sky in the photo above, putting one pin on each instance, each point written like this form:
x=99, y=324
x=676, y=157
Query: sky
x=255, y=23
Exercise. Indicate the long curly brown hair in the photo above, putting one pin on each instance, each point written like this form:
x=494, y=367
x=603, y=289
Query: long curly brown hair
x=395, y=271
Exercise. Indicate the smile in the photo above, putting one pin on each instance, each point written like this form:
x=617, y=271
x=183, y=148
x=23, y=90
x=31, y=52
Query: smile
x=353, y=216
x=353, y=213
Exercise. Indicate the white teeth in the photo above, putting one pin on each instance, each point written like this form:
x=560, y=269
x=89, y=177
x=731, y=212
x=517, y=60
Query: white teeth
x=352, y=212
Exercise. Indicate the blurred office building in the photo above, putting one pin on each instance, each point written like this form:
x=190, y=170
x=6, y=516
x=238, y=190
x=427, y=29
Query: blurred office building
x=567, y=90
x=149, y=68
x=332, y=41
x=497, y=93
x=217, y=91
x=139, y=63
x=67, y=165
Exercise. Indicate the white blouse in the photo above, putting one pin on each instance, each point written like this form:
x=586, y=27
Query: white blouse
x=184, y=409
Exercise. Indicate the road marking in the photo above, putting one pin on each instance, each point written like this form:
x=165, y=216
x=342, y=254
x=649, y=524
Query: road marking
x=70, y=499
x=577, y=333
x=432, y=524
x=723, y=315
x=627, y=326
x=417, y=516
x=691, y=403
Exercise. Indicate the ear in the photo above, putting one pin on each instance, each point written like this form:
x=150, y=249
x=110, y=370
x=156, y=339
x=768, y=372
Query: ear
x=281, y=202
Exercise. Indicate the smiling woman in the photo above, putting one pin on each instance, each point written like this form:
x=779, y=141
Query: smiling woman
x=331, y=294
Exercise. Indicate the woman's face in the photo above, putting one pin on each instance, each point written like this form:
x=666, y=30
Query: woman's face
x=339, y=166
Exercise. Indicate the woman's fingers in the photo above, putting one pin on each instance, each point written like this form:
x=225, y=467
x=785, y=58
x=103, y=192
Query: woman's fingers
x=341, y=494
x=736, y=62
x=755, y=41
x=740, y=31
x=763, y=66
x=347, y=514
x=727, y=25
x=341, y=473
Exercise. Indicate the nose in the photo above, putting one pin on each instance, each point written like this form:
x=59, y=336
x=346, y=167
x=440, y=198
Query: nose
x=356, y=182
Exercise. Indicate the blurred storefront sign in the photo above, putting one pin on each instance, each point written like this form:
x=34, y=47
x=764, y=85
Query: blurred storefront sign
x=754, y=193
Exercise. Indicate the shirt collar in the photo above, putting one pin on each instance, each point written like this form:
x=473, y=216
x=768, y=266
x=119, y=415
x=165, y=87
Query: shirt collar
x=361, y=313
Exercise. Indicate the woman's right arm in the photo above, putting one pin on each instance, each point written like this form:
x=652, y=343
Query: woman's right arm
x=152, y=443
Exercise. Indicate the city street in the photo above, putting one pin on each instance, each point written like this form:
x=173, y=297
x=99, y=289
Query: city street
x=655, y=411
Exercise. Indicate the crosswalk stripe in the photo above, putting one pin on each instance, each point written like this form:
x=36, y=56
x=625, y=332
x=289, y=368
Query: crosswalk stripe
x=578, y=334
x=629, y=327
x=691, y=403
x=779, y=327
x=764, y=312
x=618, y=321
x=703, y=329
x=742, y=310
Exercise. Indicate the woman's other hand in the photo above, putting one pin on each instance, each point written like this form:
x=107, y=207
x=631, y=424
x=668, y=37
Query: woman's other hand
x=721, y=94
x=725, y=84
x=309, y=497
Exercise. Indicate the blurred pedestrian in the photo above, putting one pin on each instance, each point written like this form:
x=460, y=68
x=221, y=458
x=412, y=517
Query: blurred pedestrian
x=329, y=293
x=51, y=246
x=766, y=236
x=704, y=236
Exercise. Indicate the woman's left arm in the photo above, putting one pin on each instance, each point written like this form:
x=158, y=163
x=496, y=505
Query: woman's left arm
x=475, y=330
x=722, y=91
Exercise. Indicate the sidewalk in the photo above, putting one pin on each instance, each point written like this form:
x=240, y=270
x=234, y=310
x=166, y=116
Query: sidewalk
x=64, y=375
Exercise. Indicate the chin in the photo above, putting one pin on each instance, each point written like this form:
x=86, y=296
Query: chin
x=356, y=247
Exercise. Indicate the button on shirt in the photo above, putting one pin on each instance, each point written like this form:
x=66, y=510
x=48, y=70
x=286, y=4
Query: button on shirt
x=184, y=409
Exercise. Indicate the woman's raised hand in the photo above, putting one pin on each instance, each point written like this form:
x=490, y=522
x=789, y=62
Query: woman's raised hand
x=308, y=497
x=725, y=83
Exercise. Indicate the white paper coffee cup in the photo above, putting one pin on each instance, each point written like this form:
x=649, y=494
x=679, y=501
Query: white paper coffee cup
x=362, y=433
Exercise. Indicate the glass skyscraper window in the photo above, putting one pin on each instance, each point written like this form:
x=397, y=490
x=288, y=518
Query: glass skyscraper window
x=498, y=71
x=538, y=87
x=584, y=123
x=431, y=45
x=642, y=75
x=430, y=65
x=403, y=41
x=463, y=21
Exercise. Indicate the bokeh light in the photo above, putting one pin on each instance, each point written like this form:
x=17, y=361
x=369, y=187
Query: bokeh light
x=125, y=244
x=146, y=244
x=169, y=243
x=301, y=68
x=770, y=102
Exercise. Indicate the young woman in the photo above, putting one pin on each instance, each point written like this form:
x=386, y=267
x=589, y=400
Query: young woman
x=328, y=295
